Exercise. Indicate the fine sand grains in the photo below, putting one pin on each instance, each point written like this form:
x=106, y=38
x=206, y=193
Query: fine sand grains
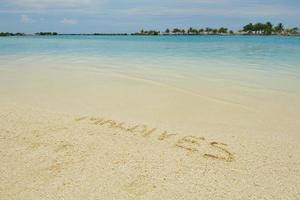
x=47, y=155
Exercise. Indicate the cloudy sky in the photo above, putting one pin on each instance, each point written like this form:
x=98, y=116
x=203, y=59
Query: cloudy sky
x=89, y=16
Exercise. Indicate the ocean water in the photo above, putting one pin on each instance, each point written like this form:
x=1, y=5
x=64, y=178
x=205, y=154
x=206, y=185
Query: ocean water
x=210, y=116
x=183, y=54
x=267, y=53
x=215, y=79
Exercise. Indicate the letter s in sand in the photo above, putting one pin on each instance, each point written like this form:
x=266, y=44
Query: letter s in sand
x=220, y=147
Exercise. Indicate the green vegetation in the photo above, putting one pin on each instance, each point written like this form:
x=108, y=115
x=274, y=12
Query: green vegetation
x=6, y=34
x=292, y=31
x=46, y=33
x=150, y=32
x=268, y=29
x=250, y=29
x=23, y=34
x=190, y=31
x=223, y=30
x=2, y=34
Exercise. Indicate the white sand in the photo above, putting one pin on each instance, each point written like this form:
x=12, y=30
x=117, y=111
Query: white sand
x=215, y=141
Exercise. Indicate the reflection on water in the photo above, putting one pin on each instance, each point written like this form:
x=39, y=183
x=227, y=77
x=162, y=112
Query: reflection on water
x=208, y=79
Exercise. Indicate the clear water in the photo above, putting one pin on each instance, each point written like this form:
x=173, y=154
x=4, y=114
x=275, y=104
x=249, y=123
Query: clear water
x=241, y=91
x=247, y=48
x=231, y=57
x=219, y=79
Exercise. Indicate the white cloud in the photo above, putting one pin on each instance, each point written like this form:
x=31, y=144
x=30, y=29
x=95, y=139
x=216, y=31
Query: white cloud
x=68, y=21
x=26, y=20
x=51, y=6
x=46, y=4
x=231, y=8
x=249, y=11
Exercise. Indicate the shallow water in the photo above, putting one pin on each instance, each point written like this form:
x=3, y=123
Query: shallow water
x=216, y=79
x=188, y=55
x=222, y=117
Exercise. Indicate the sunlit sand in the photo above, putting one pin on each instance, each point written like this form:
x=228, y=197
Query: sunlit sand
x=108, y=133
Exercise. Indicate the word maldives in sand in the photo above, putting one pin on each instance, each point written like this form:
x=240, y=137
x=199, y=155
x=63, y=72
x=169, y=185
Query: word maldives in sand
x=190, y=143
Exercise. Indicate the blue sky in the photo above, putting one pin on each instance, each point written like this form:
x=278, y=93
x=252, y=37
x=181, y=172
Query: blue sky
x=89, y=16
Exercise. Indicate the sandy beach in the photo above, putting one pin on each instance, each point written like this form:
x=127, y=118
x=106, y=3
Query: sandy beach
x=140, y=147
x=48, y=155
x=96, y=128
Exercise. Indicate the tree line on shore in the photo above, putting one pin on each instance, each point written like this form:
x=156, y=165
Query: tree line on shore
x=3, y=34
x=250, y=29
x=23, y=34
x=269, y=29
x=46, y=33
x=190, y=31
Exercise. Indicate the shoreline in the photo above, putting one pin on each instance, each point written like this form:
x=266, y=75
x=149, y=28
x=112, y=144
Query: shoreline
x=140, y=35
x=79, y=119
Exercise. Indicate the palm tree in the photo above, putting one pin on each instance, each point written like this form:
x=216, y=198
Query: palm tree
x=293, y=31
x=249, y=28
x=201, y=30
x=208, y=30
x=190, y=30
x=279, y=28
x=223, y=30
x=268, y=28
x=167, y=31
x=259, y=28
x=176, y=30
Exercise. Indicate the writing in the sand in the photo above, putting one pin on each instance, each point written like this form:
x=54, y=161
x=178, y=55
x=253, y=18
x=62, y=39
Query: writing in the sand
x=215, y=150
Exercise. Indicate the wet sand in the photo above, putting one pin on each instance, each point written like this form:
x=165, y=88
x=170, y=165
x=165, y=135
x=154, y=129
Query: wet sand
x=93, y=135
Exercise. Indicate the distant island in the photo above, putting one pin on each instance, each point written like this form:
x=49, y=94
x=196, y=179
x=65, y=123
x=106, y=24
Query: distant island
x=4, y=34
x=47, y=33
x=250, y=29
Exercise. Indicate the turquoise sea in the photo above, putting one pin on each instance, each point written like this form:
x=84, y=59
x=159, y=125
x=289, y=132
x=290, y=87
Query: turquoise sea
x=163, y=117
x=242, y=70
x=190, y=55
x=191, y=115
